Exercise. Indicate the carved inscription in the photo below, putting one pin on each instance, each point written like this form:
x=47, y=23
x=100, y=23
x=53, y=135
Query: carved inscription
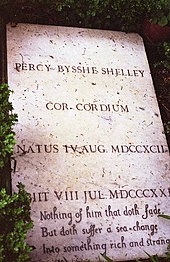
x=79, y=69
x=90, y=144
x=84, y=149
x=74, y=220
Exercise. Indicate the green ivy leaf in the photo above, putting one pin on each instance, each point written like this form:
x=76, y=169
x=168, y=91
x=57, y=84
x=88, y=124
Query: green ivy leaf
x=15, y=221
x=7, y=120
x=107, y=258
x=163, y=21
x=164, y=216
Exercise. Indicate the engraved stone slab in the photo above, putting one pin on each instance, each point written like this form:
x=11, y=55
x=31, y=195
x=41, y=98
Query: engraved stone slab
x=90, y=143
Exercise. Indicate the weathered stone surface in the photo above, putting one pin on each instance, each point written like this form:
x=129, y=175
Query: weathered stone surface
x=90, y=143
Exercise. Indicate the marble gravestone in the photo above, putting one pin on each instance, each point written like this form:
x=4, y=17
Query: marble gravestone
x=90, y=143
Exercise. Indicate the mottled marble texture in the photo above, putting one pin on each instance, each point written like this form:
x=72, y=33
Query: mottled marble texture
x=90, y=143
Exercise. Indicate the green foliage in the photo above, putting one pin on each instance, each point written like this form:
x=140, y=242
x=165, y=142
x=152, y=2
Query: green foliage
x=109, y=14
x=153, y=258
x=126, y=15
x=162, y=17
x=15, y=218
x=106, y=258
x=15, y=221
x=164, y=51
x=164, y=216
x=7, y=120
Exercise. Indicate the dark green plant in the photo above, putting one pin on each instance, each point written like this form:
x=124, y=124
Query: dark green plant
x=164, y=51
x=162, y=17
x=109, y=14
x=124, y=15
x=164, y=216
x=7, y=120
x=15, y=218
x=153, y=258
x=108, y=259
x=167, y=128
x=15, y=221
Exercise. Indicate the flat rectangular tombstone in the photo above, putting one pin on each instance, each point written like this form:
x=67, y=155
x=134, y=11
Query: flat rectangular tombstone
x=90, y=143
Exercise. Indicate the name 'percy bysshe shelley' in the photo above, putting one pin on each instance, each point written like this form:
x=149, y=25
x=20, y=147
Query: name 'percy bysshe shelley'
x=79, y=69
